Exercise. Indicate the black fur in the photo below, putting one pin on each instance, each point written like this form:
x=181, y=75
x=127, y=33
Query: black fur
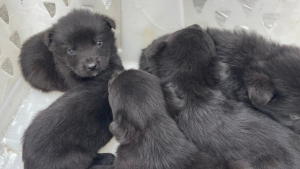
x=144, y=64
x=239, y=136
x=68, y=134
x=149, y=138
x=261, y=73
x=46, y=64
x=103, y=159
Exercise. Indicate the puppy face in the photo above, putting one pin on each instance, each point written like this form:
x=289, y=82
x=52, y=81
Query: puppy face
x=276, y=91
x=83, y=41
x=188, y=49
x=135, y=97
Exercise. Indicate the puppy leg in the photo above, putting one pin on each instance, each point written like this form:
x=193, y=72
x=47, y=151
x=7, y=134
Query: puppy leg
x=72, y=160
x=104, y=159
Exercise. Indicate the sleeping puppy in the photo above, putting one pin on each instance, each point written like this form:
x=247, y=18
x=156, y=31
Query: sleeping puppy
x=253, y=70
x=261, y=73
x=226, y=129
x=149, y=138
x=79, y=47
x=68, y=134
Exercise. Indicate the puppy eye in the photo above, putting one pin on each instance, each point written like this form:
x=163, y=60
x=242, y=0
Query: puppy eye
x=99, y=44
x=295, y=117
x=71, y=52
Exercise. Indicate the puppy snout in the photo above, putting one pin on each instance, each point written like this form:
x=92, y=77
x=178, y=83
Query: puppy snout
x=195, y=26
x=92, y=66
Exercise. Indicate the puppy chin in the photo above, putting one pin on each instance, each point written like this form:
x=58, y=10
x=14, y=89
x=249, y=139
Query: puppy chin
x=87, y=74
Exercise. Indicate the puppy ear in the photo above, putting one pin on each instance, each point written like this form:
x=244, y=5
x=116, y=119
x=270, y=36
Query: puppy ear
x=121, y=129
x=110, y=22
x=155, y=48
x=48, y=35
x=260, y=89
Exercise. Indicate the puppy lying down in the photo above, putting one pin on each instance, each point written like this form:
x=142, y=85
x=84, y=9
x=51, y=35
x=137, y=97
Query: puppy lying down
x=249, y=68
x=226, y=129
x=149, y=138
x=68, y=134
x=259, y=72
x=79, y=47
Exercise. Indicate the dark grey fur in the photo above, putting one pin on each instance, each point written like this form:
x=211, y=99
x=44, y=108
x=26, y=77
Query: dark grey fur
x=239, y=136
x=47, y=66
x=149, y=138
x=261, y=73
x=256, y=71
x=68, y=134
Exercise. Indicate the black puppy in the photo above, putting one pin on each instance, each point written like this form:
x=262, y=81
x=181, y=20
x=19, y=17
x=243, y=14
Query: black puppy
x=229, y=130
x=68, y=134
x=144, y=63
x=259, y=72
x=149, y=138
x=80, y=46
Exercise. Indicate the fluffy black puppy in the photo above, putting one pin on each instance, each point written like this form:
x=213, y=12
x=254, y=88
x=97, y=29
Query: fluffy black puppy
x=234, y=133
x=261, y=73
x=149, y=138
x=68, y=134
x=80, y=46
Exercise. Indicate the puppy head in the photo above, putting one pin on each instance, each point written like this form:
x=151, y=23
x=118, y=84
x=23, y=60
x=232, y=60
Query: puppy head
x=83, y=41
x=188, y=50
x=144, y=63
x=136, y=99
x=277, y=96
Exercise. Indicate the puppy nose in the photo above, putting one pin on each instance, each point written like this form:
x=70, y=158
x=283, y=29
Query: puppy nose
x=195, y=26
x=92, y=66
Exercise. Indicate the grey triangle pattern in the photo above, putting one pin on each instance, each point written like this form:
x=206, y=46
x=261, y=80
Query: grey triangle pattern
x=198, y=4
x=15, y=39
x=7, y=67
x=221, y=17
x=107, y=3
x=66, y=2
x=51, y=8
x=269, y=19
x=248, y=5
x=4, y=14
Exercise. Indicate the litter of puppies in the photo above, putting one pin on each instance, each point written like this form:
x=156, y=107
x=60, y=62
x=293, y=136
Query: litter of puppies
x=202, y=99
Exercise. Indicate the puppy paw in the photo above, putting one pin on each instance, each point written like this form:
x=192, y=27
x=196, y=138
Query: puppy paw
x=104, y=159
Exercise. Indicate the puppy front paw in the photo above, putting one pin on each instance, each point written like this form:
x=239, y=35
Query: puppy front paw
x=104, y=159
